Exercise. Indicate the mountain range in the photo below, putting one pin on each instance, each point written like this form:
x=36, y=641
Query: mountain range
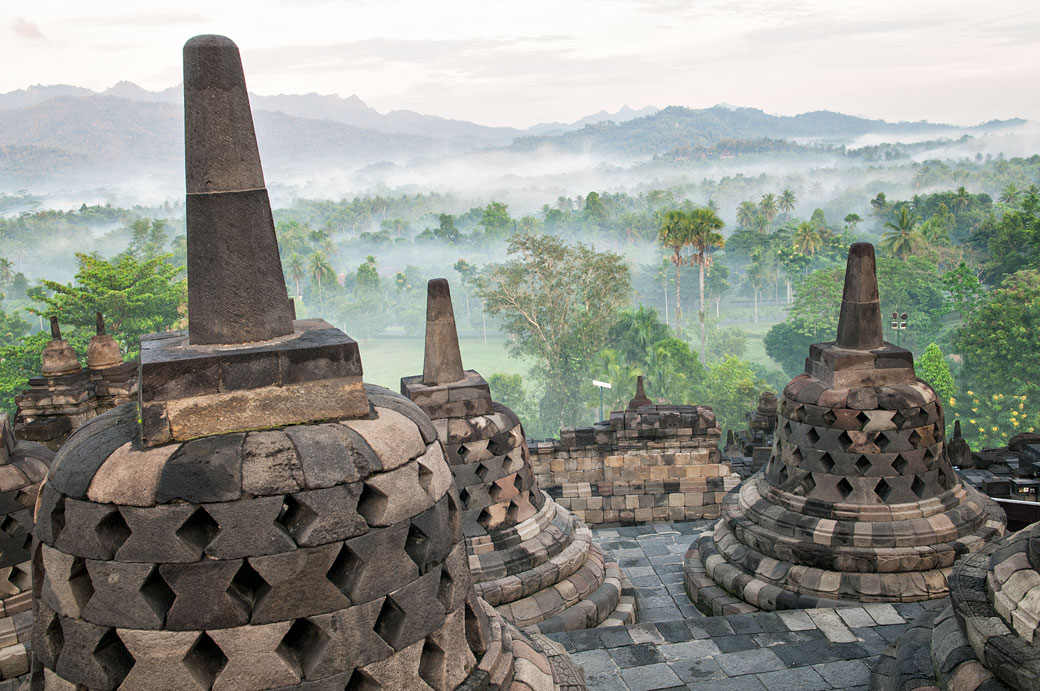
x=50, y=132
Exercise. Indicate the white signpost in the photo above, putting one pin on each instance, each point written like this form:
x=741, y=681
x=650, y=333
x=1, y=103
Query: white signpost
x=602, y=385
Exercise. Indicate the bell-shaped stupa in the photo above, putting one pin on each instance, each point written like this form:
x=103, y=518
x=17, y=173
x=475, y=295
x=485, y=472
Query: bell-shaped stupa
x=859, y=501
x=532, y=559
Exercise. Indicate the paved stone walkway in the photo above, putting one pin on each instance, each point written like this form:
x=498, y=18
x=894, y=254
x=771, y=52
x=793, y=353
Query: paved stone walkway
x=674, y=646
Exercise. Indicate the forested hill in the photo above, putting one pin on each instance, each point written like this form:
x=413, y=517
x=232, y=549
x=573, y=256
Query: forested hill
x=676, y=126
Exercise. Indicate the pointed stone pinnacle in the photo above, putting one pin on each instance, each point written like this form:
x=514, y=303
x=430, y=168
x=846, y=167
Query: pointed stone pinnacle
x=236, y=289
x=640, y=398
x=956, y=429
x=99, y=324
x=859, y=323
x=55, y=329
x=443, y=360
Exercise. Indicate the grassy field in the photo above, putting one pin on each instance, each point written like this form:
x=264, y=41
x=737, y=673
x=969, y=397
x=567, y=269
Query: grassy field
x=756, y=349
x=386, y=360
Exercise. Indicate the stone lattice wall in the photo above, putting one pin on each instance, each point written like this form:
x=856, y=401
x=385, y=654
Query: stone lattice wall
x=654, y=463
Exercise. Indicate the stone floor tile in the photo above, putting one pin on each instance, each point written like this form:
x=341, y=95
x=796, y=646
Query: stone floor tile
x=595, y=662
x=645, y=632
x=754, y=661
x=638, y=655
x=733, y=644
x=650, y=678
x=855, y=617
x=844, y=674
x=689, y=650
x=614, y=636
x=831, y=625
x=883, y=613
x=797, y=679
x=796, y=619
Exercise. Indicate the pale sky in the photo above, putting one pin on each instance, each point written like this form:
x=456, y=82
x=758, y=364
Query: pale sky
x=519, y=63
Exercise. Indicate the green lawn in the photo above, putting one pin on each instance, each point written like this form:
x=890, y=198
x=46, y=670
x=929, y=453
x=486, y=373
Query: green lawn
x=756, y=349
x=386, y=360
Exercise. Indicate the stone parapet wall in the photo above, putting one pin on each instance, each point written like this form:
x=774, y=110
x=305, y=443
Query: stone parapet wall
x=651, y=464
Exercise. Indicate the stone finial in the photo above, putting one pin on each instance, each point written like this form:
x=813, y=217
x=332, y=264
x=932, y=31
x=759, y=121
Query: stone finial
x=442, y=363
x=55, y=329
x=58, y=357
x=103, y=350
x=236, y=289
x=640, y=399
x=99, y=323
x=956, y=429
x=859, y=323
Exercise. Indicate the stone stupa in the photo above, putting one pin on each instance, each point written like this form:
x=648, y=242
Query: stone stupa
x=269, y=522
x=531, y=558
x=858, y=502
x=115, y=381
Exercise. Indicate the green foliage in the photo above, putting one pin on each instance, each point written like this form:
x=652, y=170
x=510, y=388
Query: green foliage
x=18, y=362
x=136, y=297
x=558, y=302
x=732, y=388
x=724, y=342
x=999, y=338
x=788, y=345
x=932, y=368
x=989, y=420
x=508, y=389
x=496, y=221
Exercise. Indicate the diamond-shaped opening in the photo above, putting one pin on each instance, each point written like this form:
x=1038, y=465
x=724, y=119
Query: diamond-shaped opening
x=9, y=525
x=27, y=498
x=883, y=490
x=454, y=519
x=113, y=657
x=898, y=419
x=112, y=531
x=372, y=504
x=844, y=488
x=808, y=484
x=417, y=546
x=343, y=570
x=205, y=660
x=482, y=472
x=782, y=475
x=57, y=517
x=391, y=622
x=198, y=530
x=918, y=487
x=484, y=519
x=21, y=577
x=796, y=455
x=929, y=454
x=359, y=681
x=826, y=462
x=248, y=586
x=79, y=582
x=513, y=512
x=425, y=478
x=431, y=664
x=465, y=496
x=915, y=438
x=863, y=465
x=295, y=516
x=812, y=436
x=844, y=440
x=786, y=429
x=829, y=417
x=306, y=643
x=53, y=639
x=495, y=490
x=900, y=464
x=942, y=479
x=157, y=593
x=446, y=589
x=499, y=445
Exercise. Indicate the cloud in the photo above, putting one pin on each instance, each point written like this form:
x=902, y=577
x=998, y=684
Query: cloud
x=27, y=30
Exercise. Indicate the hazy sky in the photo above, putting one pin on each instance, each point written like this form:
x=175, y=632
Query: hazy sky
x=518, y=63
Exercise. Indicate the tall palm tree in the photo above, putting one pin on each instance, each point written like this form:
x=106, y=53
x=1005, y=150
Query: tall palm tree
x=746, y=213
x=6, y=270
x=807, y=239
x=297, y=269
x=786, y=202
x=902, y=238
x=755, y=278
x=320, y=268
x=769, y=206
x=675, y=235
x=1010, y=195
x=704, y=236
x=961, y=199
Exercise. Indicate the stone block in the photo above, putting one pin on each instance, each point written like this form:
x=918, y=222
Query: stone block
x=126, y=595
x=337, y=642
x=93, y=656
x=204, y=470
x=209, y=594
x=373, y=564
x=161, y=660
x=394, y=437
x=270, y=464
x=393, y=496
x=320, y=516
x=169, y=533
x=76, y=464
x=94, y=531
x=411, y=612
x=248, y=527
x=255, y=658
x=130, y=476
x=280, y=596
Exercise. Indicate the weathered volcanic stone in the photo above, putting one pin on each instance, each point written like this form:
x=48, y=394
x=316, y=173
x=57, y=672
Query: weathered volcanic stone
x=858, y=501
x=238, y=294
x=443, y=360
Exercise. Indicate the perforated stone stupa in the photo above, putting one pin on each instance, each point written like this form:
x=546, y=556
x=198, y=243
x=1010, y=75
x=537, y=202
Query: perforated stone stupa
x=858, y=502
x=532, y=559
x=270, y=522
x=23, y=466
x=115, y=381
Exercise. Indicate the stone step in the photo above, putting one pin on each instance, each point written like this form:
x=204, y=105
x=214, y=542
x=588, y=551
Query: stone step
x=527, y=583
x=591, y=610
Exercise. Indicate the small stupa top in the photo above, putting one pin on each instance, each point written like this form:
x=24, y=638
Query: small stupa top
x=640, y=399
x=859, y=356
x=767, y=403
x=445, y=389
x=103, y=350
x=58, y=356
x=243, y=363
x=238, y=293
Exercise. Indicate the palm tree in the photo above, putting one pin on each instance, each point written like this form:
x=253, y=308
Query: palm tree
x=746, y=213
x=807, y=239
x=760, y=223
x=704, y=236
x=297, y=269
x=768, y=206
x=786, y=202
x=961, y=199
x=756, y=280
x=675, y=235
x=320, y=268
x=1010, y=195
x=6, y=270
x=902, y=240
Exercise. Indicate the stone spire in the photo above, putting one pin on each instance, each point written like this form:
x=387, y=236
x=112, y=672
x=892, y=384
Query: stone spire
x=58, y=357
x=443, y=360
x=55, y=330
x=236, y=289
x=859, y=323
x=640, y=398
